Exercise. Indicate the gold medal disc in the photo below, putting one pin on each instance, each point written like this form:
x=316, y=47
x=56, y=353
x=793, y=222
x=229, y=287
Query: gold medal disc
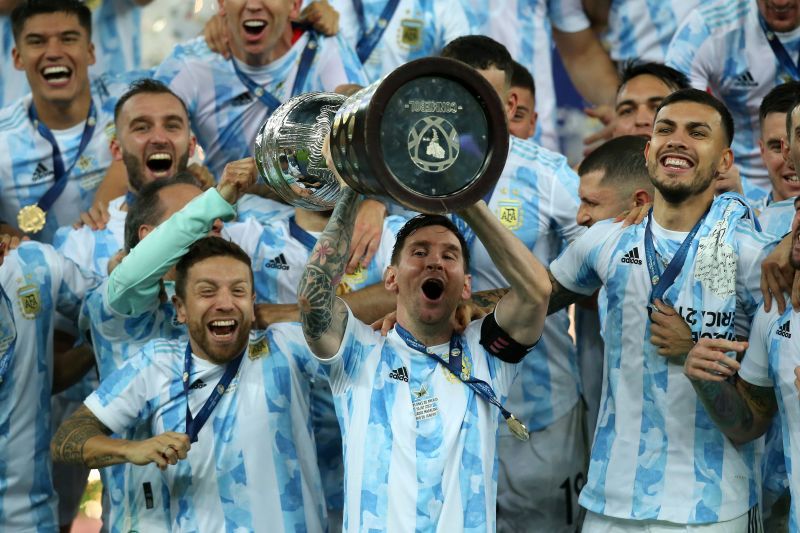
x=31, y=218
x=517, y=428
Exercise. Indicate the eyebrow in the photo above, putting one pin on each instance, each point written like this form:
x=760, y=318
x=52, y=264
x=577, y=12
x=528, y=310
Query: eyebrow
x=67, y=33
x=215, y=283
x=427, y=244
x=631, y=101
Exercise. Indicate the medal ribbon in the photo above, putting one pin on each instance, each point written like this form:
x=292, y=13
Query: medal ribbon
x=780, y=52
x=369, y=40
x=49, y=198
x=301, y=235
x=453, y=364
x=7, y=314
x=266, y=98
x=194, y=425
x=661, y=282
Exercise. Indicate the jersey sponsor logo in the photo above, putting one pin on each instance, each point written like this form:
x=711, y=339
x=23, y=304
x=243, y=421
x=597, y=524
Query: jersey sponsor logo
x=632, y=257
x=30, y=301
x=278, y=263
x=242, y=99
x=410, y=33
x=510, y=214
x=709, y=319
x=785, y=330
x=400, y=374
x=745, y=80
x=41, y=172
x=199, y=384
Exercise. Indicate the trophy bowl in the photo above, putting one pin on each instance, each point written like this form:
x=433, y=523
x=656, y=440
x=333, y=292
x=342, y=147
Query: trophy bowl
x=431, y=135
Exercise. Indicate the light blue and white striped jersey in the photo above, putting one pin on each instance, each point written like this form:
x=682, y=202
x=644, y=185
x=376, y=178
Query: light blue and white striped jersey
x=253, y=467
x=26, y=164
x=264, y=210
x=656, y=454
x=770, y=360
x=642, y=30
x=721, y=46
x=776, y=218
x=418, y=28
x=523, y=26
x=224, y=115
x=419, y=445
x=37, y=282
x=536, y=198
x=115, y=34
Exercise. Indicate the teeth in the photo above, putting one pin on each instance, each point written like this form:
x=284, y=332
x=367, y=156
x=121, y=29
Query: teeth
x=59, y=69
x=676, y=162
x=159, y=157
x=254, y=23
x=793, y=178
x=223, y=323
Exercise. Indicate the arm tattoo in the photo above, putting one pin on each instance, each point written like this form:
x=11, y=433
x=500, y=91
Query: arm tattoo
x=488, y=298
x=738, y=410
x=317, y=289
x=560, y=297
x=68, y=442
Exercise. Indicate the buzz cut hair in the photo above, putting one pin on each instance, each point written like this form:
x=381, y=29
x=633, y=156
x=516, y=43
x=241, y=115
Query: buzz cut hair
x=622, y=162
x=481, y=53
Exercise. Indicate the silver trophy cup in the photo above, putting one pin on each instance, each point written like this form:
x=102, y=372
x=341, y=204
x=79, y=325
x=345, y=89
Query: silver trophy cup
x=432, y=136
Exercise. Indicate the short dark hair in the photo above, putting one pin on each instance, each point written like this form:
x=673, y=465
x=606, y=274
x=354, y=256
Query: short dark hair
x=480, y=52
x=622, y=162
x=145, y=86
x=147, y=209
x=674, y=79
x=422, y=221
x=31, y=8
x=782, y=98
x=702, y=97
x=206, y=248
x=522, y=78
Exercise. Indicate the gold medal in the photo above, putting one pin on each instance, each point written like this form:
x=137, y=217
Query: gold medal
x=31, y=218
x=517, y=428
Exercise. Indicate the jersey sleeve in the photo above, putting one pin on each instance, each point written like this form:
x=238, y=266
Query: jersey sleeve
x=689, y=49
x=75, y=284
x=567, y=15
x=134, y=285
x=755, y=365
x=501, y=372
x=577, y=267
x=753, y=249
x=564, y=202
x=338, y=65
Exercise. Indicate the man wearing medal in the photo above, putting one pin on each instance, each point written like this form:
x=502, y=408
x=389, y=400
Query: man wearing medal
x=419, y=408
x=57, y=138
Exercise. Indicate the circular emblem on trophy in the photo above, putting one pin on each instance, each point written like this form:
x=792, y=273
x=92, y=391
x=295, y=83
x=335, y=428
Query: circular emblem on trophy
x=433, y=144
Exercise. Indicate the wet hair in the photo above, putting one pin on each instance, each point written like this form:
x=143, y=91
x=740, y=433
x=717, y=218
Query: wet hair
x=147, y=209
x=521, y=77
x=423, y=221
x=145, y=86
x=622, y=162
x=702, y=97
x=31, y=8
x=674, y=79
x=480, y=52
x=203, y=249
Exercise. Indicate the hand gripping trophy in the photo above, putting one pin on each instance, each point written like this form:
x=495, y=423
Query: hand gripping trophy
x=432, y=136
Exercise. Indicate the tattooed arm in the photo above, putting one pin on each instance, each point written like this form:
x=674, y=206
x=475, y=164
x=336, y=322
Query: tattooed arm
x=82, y=438
x=741, y=410
x=324, y=317
x=560, y=297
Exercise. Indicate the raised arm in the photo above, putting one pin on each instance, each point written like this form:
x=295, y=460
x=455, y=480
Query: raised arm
x=324, y=317
x=521, y=312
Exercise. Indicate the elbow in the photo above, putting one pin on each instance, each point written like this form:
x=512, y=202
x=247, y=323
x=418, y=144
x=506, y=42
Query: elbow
x=541, y=291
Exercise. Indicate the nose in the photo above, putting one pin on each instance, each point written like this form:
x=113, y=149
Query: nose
x=644, y=116
x=54, y=49
x=583, y=218
x=224, y=301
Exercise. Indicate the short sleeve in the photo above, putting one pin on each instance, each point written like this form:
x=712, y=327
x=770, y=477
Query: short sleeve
x=565, y=201
x=755, y=365
x=76, y=283
x=687, y=49
x=753, y=249
x=567, y=15
x=576, y=269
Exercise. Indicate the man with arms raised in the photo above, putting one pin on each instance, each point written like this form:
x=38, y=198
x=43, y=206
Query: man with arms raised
x=656, y=459
x=431, y=463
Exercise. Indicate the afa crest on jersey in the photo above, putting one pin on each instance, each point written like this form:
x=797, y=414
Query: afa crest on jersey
x=30, y=301
x=510, y=213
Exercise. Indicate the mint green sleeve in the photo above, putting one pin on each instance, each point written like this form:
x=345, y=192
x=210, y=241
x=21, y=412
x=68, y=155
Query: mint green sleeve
x=133, y=287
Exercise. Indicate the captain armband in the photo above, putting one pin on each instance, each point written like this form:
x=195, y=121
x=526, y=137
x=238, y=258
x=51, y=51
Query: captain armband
x=499, y=343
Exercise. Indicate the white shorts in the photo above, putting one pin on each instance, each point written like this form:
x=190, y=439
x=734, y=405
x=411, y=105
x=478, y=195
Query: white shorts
x=539, y=480
x=750, y=522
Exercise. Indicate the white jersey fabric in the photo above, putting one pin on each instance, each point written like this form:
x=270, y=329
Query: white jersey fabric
x=721, y=46
x=253, y=467
x=776, y=218
x=35, y=282
x=523, y=26
x=26, y=164
x=224, y=115
x=656, y=454
x=419, y=445
x=416, y=29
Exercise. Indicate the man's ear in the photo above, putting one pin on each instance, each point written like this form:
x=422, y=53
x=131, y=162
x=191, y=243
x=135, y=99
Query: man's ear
x=466, y=293
x=144, y=231
x=641, y=197
x=390, y=279
x=115, y=148
x=726, y=161
x=15, y=55
x=180, y=309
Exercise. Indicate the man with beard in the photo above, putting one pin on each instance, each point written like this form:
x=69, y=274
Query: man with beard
x=223, y=416
x=657, y=461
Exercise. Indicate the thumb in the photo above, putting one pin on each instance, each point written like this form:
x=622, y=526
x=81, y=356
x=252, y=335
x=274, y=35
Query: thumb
x=663, y=308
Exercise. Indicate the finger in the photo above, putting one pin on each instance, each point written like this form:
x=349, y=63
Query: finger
x=663, y=308
x=706, y=345
x=765, y=292
x=773, y=289
x=372, y=248
x=697, y=374
x=356, y=253
x=715, y=367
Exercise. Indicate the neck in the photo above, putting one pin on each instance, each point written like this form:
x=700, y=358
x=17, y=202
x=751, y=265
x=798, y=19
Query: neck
x=311, y=220
x=684, y=215
x=427, y=334
x=268, y=56
x=63, y=115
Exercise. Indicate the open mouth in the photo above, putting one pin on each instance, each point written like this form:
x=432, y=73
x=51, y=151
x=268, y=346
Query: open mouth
x=254, y=27
x=792, y=178
x=676, y=162
x=433, y=288
x=57, y=74
x=159, y=162
x=222, y=329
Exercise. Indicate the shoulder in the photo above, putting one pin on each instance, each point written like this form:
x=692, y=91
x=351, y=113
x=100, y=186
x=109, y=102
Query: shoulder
x=528, y=160
x=14, y=117
x=196, y=48
x=528, y=150
x=715, y=19
x=162, y=352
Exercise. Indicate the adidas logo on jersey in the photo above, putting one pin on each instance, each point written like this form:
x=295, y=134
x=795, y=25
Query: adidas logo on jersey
x=785, y=330
x=279, y=263
x=41, y=172
x=199, y=384
x=632, y=257
x=745, y=80
x=400, y=374
x=242, y=99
